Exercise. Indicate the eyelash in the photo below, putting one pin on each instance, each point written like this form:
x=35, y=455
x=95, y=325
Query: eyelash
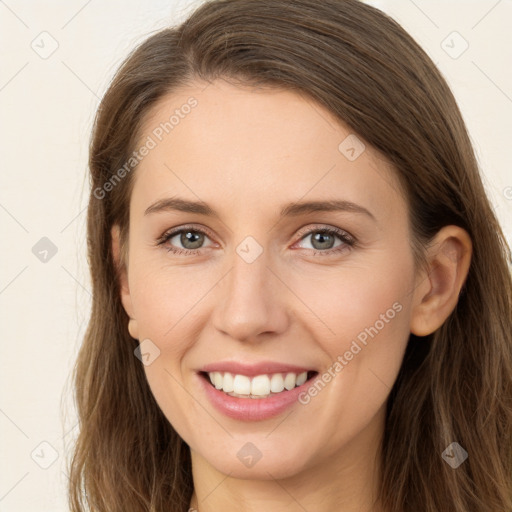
x=348, y=240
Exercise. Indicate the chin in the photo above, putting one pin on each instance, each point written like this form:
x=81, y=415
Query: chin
x=253, y=461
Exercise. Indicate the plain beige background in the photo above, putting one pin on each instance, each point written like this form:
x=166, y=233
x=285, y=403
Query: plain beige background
x=56, y=61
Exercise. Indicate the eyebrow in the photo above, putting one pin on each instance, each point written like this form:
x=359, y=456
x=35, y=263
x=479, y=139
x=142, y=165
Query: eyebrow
x=289, y=210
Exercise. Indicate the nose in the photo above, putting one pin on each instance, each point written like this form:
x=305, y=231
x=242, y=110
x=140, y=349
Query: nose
x=251, y=301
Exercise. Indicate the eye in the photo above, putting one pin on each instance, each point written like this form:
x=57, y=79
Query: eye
x=323, y=240
x=191, y=239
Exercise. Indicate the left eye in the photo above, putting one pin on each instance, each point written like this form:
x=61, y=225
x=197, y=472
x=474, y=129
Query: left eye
x=324, y=239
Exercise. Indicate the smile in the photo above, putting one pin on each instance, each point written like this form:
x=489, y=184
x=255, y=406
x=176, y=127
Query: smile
x=259, y=386
x=254, y=398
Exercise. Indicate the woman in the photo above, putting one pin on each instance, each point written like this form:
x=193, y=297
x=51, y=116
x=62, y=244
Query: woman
x=301, y=292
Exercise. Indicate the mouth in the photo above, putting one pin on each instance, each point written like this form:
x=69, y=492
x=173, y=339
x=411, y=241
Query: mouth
x=259, y=386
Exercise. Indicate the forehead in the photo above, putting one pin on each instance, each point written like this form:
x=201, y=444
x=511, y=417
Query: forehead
x=256, y=146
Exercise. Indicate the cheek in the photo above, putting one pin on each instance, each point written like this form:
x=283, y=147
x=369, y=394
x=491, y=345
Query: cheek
x=368, y=318
x=354, y=301
x=364, y=321
x=166, y=298
x=372, y=312
x=167, y=305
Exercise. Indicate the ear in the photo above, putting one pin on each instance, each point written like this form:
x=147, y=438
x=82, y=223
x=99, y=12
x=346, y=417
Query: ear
x=438, y=287
x=122, y=273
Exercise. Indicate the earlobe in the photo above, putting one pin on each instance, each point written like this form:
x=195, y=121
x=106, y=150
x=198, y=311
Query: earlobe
x=133, y=328
x=122, y=273
x=437, y=292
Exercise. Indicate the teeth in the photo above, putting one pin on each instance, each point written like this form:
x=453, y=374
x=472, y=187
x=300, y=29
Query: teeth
x=301, y=378
x=260, y=386
x=276, y=383
x=228, y=383
x=241, y=385
x=216, y=379
x=289, y=381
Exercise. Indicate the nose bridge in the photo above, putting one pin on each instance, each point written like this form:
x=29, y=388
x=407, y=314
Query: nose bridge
x=248, y=304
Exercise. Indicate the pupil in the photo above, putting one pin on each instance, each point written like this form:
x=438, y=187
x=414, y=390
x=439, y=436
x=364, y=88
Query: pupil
x=189, y=236
x=321, y=237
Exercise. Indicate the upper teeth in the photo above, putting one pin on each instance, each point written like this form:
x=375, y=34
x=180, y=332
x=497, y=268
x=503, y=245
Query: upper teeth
x=261, y=385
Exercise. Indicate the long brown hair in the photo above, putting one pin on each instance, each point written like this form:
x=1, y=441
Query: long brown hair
x=454, y=385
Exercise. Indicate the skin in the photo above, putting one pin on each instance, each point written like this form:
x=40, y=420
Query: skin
x=247, y=153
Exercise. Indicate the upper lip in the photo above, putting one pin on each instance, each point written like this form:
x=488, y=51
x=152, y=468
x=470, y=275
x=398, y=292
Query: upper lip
x=253, y=369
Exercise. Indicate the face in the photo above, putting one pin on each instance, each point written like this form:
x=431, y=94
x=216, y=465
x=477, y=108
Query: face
x=259, y=284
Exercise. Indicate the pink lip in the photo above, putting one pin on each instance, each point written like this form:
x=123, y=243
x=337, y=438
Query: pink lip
x=252, y=409
x=251, y=370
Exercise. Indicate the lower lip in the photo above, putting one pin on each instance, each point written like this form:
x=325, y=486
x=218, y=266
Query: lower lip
x=252, y=409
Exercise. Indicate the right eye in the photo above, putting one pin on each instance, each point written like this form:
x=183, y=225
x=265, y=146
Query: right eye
x=190, y=238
